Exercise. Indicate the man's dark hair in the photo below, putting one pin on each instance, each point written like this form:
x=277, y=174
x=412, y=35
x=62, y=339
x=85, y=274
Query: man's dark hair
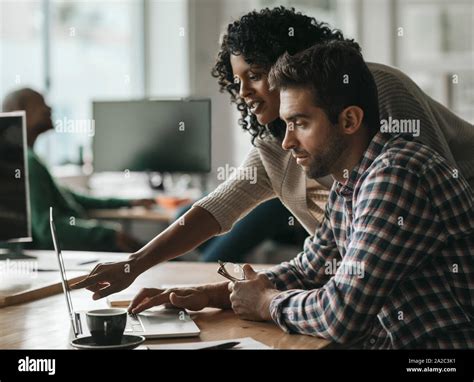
x=337, y=75
x=261, y=37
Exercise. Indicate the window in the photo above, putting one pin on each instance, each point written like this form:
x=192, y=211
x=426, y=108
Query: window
x=436, y=50
x=21, y=46
x=74, y=52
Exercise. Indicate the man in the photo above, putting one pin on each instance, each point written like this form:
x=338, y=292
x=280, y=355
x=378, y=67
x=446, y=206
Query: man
x=75, y=230
x=399, y=223
x=391, y=265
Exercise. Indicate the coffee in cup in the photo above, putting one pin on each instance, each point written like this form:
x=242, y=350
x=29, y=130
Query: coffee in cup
x=107, y=325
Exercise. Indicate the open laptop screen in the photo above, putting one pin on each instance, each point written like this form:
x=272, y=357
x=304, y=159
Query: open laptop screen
x=62, y=271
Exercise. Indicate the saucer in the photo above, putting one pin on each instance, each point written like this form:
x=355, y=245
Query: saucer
x=128, y=342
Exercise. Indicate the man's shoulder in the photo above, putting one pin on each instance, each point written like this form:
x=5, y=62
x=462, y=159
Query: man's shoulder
x=402, y=151
x=33, y=160
x=36, y=168
x=409, y=171
x=406, y=164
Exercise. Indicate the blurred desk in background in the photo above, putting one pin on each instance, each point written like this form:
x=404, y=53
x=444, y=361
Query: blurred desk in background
x=162, y=215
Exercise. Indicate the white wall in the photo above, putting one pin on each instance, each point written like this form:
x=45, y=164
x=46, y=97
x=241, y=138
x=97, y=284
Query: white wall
x=209, y=20
x=377, y=31
x=168, y=53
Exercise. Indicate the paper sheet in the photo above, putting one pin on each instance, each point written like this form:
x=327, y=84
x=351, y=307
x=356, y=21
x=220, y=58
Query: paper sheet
x=247, y=343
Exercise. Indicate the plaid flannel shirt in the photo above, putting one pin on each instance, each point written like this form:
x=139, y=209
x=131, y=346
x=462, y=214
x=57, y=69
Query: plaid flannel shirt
x=392, y=265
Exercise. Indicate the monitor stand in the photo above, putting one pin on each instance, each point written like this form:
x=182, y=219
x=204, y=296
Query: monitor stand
x=14, y=253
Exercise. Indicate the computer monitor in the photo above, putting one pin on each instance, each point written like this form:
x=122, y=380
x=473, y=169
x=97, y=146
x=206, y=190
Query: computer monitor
x=152, y=135
x=15, y=217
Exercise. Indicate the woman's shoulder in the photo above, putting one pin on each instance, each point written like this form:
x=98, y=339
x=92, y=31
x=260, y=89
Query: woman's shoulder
x=273, y=158
x=269, y=142
x=382, y=69
x=389, y=79
x=270, y=148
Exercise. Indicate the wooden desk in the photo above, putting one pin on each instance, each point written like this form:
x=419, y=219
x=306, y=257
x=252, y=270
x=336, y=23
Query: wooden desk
x=162, y=215
x=45, y=323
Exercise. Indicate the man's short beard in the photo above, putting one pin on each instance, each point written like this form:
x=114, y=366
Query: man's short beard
x=323, y=162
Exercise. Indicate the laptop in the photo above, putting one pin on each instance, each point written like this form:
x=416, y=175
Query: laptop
x=156, y=323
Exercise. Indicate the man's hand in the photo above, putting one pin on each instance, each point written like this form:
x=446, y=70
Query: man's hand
x=251, y=298
x=187, y=298
x=192, y=298
x=147, y=203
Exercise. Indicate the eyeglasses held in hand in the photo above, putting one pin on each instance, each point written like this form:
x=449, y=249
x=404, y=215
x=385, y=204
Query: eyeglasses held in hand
x=231, y=271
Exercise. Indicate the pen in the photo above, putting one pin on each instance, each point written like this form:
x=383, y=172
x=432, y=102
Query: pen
x=225, y=345
x=87, y=262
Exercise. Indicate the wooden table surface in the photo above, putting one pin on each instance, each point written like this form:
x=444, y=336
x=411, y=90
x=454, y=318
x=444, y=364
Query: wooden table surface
x=44, y=323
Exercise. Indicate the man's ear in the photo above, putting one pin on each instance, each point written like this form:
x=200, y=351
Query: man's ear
x=351, y=119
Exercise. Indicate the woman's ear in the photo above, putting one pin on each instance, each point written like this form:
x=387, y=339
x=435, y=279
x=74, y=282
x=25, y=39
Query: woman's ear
x=351, y=119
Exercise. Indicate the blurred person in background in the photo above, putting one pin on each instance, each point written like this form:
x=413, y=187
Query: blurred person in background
x=75, y=230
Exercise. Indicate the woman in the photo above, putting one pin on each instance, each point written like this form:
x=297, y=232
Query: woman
x=249, y=48
x=267, y=221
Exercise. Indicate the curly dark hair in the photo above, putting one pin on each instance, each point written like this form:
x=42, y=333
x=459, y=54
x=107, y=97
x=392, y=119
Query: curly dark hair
x=261, y=37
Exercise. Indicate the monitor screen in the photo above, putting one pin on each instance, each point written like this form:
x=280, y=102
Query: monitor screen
x=152, y=135
x=15, y=224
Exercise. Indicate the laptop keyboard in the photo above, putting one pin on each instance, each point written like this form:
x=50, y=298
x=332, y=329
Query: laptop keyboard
x=133, y=324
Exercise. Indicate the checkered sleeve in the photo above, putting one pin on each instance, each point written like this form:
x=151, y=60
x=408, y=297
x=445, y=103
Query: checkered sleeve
x=308, y=269
x=395, y=229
